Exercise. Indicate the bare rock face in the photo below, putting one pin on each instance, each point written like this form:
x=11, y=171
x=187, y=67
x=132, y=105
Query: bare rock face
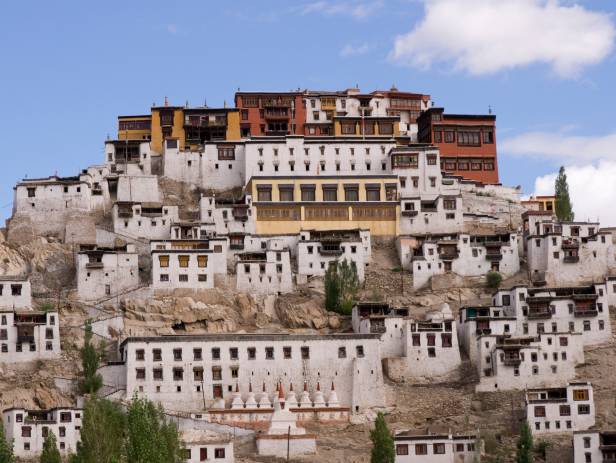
x=302, y=312
x=11, y=261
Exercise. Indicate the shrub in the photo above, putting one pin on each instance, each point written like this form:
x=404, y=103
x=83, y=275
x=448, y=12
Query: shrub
x=493, y=280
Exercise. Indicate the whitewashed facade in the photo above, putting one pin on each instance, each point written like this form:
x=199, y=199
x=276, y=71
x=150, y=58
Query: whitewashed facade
x=29, y=335
x=417, y=447
x=203, y=445
x=386, y=321
x=15, y=293
x=594, y=446
x=566, y=253
x=132, y=157
x=464, y=255
x=562, y=409
x=104, y=272
x=510, y=363
x=197, y=372
x=144, y=220
x=27, y=429
x=183, y=264
x=266, y=272
x=233, y=218
x=316, y=250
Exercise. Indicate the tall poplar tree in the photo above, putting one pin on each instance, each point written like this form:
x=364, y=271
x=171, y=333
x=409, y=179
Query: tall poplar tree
x=383, y=449
x=525, y=446
x=92, y=381
x=6, y=448
x=564, y=208
x=50, y=453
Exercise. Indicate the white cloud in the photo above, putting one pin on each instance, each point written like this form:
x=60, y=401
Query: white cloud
x=562, y=145
x=592, y=190
x=356, y=9
x=355, y=50
x=488, y=36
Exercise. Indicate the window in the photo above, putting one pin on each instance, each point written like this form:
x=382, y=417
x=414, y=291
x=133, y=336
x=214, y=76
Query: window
x=26, y=431
x=233, y=353
x=140, y=354
x=431, y=352
x=140, y=373
x=446, y=340
x=402, y=449
x=65, y=417
x=287, y=352
x=360, y=351
x=197, y=354
x=264, y=193
x=416, y=340
x=373, y=193
x=305, y=352
x=468, y=138
x=565, y=410
x=183, y=278
x=540, y=412
x=342, y=352
x=219, y=453
x=583, y=409
x=217, y=374
x=183, y=260
x=421, y=449
x=157, y=355
x=269, y=353
x=587, y=442
x=488, y=137
x=330, y=193
x=351, y=193
x=580, y=394
x=439, y=449
x=308, y=193
x=252, y=353
x=202, y=261
x=163, y=261
x=286, y=193
x=215, y=353
x=177, y=354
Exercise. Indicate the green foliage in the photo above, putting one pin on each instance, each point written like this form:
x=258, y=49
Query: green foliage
x=102, y=433
x=50, y=453
x=47, y=307
x=90, y=358
x=541, y=448
x=332, y=289
x=6, y=448
x=525, y=446
x=493, y=279
x=341, y=286
x=383, y=450
x=564, y=207
x=150, y=438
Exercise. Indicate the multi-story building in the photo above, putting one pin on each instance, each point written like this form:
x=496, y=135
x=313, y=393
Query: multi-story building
x=265, y=272
x=464, y=255
x=566, y=253
x=289, y=204
x=271, y=113
x=104, y=272
x=560, y=409
x=27, y=429
x=386, y=321
x=144, y=219
x=193, y=372
x=227, y=217
x=29, y=335
x=15, y=292
x=190, y=127
x=204, y=445
x=317, y=250
x=467, y=143
x=184, y=264
x=508, y=362
x=129, y=157
x=594, y=446
x=435, y=447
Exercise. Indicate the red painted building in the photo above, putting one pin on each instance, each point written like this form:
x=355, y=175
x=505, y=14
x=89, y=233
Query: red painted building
x=263, y=113
x=467, y=143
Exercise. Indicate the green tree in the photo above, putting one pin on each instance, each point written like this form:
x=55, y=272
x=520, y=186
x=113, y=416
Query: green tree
x=525, y=446
x=6, y=448
x=493, y=279
x=332, y=289
x=383, y=450
x=349, y=285
x=150, y=438
x=50, y=453
x=564, y=208
x=102, y=433
x=90, y=358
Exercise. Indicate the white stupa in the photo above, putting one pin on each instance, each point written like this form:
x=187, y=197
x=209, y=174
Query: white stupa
x=251, y=403
x=237, y=398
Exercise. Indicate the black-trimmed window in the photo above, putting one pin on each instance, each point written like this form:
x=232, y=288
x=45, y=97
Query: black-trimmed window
x=330, y=193
x=308, y=193
x=264, y=193
x=351, y=192
x=286, y=193
x=373, y=192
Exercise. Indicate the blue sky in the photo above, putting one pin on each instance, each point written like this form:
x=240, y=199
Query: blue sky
x=547, y=68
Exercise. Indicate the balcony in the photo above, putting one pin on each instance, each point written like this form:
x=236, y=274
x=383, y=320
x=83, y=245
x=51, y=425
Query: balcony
x=512, y=361
x=482, y=331
x=412, y=213
x=21, y=339
x=281, y=115
x=332, y=249
x=539, y=313
x=276, y=133
x=494, y=256
x=570, y=244
x=124, y=214
x=590, y=311
x=571, y=259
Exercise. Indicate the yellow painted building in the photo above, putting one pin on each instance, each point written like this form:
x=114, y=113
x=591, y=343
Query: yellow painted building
x=190, y=126
x=541, y=203
x=289, y=204
x=370, y=126
x=134, y=127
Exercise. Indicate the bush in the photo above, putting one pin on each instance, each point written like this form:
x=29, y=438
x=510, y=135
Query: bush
x=493, y=280
x=341, y=286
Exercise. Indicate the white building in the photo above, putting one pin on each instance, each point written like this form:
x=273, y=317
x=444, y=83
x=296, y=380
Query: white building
x=144, y=220
x=594, y=446
x=104, y=272
x=426, y=447
x=566, y=253
x=464, y=255
x=27, y=429
x=229, y=217
x=216, y=166
x=266, y=272
x=29, y=335
x=184, y=264
x=204, y=445
x=131, y=157
x=523, y=311
x=411, y=349
x=316, y=250
x=560, y=409
x=15, y=292
x=199, y=372
x=509, y=363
